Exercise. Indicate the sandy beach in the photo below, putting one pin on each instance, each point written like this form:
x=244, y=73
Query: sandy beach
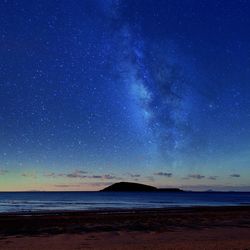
x=182, y=228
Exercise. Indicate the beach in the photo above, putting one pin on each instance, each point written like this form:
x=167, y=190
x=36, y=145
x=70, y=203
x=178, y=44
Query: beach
x=171, y=228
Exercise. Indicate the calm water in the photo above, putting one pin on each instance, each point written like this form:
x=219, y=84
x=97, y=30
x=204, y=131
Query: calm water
x=44, y=201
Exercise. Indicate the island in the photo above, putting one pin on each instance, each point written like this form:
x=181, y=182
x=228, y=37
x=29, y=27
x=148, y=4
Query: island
x=136, y=187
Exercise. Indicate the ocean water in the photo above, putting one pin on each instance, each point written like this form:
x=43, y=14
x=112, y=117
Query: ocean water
x=63, y=201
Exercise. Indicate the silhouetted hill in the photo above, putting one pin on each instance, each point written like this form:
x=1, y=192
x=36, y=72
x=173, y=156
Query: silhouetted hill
x=136, y=187
x=129, y=187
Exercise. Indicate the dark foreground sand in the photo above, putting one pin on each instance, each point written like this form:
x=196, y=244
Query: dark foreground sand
x=193, y=228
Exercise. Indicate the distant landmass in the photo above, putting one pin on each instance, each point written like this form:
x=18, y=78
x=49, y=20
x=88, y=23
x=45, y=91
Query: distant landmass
x=137, y=187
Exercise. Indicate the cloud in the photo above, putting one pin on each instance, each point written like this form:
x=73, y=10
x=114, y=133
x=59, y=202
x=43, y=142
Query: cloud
x=134, y=175
x=105, y=177
x=81, y=174
x=75, y=174
x=50, y=175
x=109, y=177
x=199, y=176
x=29, y=175
x=67, y=185
x=164, y=174
x=235, y=175
x=212, y=177
x=196, y=176
x=3, y=171
x=95, y=176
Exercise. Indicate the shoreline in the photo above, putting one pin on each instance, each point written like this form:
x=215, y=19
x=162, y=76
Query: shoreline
x=126, y=210
x=171, y=228
x=131, y=220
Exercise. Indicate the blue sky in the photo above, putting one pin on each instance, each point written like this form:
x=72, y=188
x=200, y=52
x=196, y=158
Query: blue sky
x=93, y=92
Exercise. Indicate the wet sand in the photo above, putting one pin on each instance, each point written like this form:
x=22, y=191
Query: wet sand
x=182, y=228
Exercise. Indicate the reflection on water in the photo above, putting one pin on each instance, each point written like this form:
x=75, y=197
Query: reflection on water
x=49, y=201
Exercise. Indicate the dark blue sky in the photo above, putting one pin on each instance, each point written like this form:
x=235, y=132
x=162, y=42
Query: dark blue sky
x=97, y=91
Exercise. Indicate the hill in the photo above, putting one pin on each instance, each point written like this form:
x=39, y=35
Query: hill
x=136, y=187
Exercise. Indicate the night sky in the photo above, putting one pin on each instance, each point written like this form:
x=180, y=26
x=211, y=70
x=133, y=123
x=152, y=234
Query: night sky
x=94, y=92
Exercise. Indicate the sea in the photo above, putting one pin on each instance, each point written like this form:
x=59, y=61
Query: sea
x=27, y=202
